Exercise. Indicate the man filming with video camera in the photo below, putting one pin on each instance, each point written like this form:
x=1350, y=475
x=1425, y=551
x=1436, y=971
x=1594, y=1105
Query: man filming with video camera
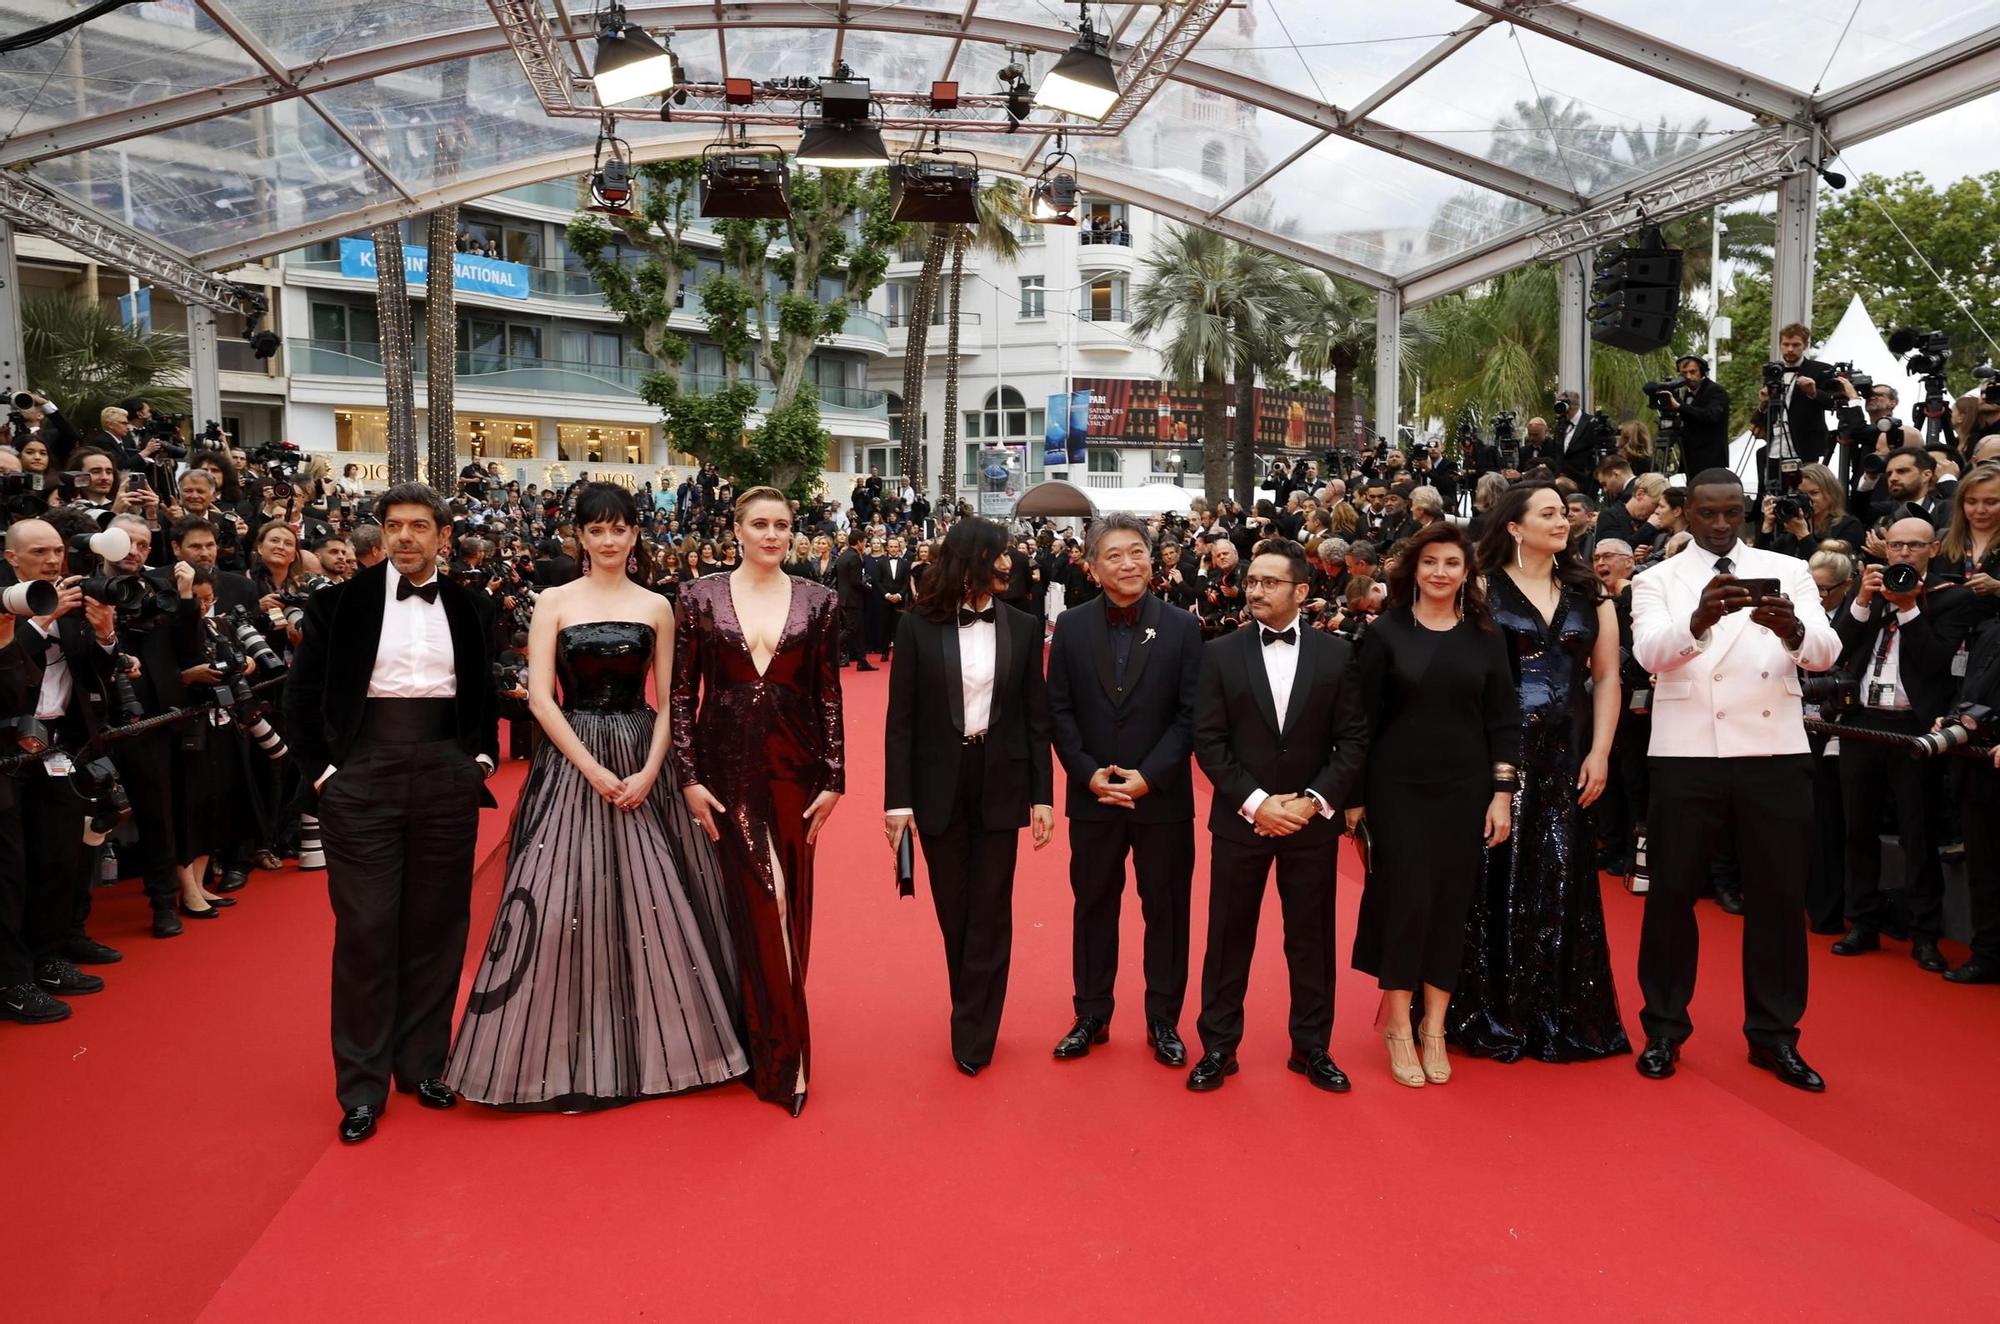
x=1898, y=638
x=1699, y=409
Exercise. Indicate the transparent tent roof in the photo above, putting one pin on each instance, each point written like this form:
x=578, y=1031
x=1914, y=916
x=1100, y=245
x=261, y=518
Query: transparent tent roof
x=1394, y=143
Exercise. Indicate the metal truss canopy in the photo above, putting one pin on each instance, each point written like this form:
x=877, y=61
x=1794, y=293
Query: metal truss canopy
x=1323, y=132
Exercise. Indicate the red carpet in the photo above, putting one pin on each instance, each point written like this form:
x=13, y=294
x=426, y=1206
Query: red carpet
x=169, y=1152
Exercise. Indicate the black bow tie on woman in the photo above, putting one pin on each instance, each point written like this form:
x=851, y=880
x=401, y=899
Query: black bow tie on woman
x=966, y=615
x=428, y=592
x=1288, y=635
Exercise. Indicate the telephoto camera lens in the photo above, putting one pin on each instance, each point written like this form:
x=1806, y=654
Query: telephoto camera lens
x=34, y=597
x=260, y=730
x=1949, y=736
x=1899, y=579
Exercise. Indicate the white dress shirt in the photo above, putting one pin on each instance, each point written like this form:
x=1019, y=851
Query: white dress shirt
x=57, y=684
x=1281, y=668
x=414, y=659
x=978, y=645
x=1888, y=670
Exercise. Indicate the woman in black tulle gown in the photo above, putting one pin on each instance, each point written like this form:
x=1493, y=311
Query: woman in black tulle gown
x=609, y=975
x=1537, y=976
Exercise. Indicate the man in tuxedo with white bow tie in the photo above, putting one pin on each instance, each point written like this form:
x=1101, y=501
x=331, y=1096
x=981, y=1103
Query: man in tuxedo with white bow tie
x=1280, y=733
x=1729, y=766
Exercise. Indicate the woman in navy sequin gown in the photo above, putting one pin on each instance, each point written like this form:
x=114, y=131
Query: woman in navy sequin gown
x=608, y=976
x=757, y=749
x=1537, y=976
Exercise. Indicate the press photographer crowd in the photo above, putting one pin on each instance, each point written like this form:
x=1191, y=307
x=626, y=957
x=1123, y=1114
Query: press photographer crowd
x=157, y=578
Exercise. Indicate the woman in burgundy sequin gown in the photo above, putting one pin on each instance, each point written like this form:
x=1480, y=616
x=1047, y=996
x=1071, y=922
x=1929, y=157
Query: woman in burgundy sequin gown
x=757, y=750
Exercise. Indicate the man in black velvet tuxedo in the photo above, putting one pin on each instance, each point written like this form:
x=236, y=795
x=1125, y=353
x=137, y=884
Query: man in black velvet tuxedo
x=1123, y=671
x=391, y=716
x=1280, y=733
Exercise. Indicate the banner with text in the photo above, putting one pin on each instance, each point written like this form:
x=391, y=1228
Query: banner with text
x=469, y=274
x=1153, y=413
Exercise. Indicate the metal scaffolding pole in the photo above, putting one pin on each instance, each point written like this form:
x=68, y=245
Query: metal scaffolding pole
x=13, y=368
x=1792, y=270
x=204, y=366
x=1573, y=351
x=1388, y=362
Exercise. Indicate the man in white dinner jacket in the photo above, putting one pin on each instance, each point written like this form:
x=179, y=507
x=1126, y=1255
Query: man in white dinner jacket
x=1729, y=764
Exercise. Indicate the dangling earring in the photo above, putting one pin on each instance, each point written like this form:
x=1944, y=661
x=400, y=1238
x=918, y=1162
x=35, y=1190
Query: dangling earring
x=1461, y=596
x=1518, y=562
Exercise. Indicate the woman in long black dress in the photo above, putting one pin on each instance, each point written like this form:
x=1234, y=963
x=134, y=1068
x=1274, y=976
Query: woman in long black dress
x=607, y=977
x=1441, y=769
x=1537, y=977
x=758, y=750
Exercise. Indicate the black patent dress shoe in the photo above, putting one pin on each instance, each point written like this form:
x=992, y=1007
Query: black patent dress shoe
x=434, y=1093
x=1975, y=971
x=166, y=924
x=357, y=1124
x=1924, y=951
x=88, y=951
x=1857, y=941
x=1088, y=1030
x=206, y=912
x=1318, y=1068
x=798, y=1104
x=233, y=880
x=223, y=902
x=966, y=1068
x=1729, y=898
x=865, y=665
x=1165, y=1040
x=1784, y=1062
x=1210, y=1072
x=1656, y=1060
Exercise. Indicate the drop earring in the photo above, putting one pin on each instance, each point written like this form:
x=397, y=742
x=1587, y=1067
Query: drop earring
x=1519, y=564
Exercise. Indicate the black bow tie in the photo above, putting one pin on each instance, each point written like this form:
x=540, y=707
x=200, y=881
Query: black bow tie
x=1125, y=616
x=967, y=615
x=428, y=592
x=1288, y=635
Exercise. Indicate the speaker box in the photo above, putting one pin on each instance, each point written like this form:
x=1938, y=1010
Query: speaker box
x=1641, y=333
x=1664, y=301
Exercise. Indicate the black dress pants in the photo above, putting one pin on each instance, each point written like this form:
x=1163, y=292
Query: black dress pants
x=146, y=767
x=16, y=966
x=400, y=822
x=972, y=885
x=1163, y=861
x=851, y=647
x=1870, y=774
x=1826, y=880
x=1762, y=808
x=59, y=866
x=1306, y=881
x=1981, y=800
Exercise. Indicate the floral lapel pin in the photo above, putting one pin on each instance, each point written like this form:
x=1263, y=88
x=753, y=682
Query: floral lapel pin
x=1150, y=634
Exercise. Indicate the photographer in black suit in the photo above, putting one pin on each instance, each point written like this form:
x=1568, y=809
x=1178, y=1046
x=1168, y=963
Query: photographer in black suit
x=1280, y=733
x=390, y=715
x=1123, y=673
x=1703, y=407
x=1898, y=639
x=966, y=755
x=1805, y=403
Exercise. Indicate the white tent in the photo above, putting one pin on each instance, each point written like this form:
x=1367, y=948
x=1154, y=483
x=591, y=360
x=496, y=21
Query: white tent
x=1857, y=341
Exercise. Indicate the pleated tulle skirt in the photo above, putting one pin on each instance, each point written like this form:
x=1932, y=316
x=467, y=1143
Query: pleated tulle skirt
x=609, y=975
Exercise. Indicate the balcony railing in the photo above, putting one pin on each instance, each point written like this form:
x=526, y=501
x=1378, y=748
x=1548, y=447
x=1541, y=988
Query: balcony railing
x=1109, y=313
x=840, y=399
x=543, y=282
x=363, y=359
x=866, y=325
x=966, y=317
x=1113, y=237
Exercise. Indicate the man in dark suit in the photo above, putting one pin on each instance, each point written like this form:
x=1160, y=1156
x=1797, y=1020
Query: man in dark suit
x=390, y=714
x=194, y=541
x=1280, y=733
x=1805, y=405
x=1703, y=408
x=892, y=589
x=555, y=566
x=1123, y=672
x=1897, y=649
x=966, y=758
x=850, y=583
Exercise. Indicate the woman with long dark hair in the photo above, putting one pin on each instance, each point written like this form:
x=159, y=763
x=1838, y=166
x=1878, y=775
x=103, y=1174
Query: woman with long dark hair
x=759, y=751
x=1537, y=976
x=1437, y=789
x=609, y=975
x=966, y=758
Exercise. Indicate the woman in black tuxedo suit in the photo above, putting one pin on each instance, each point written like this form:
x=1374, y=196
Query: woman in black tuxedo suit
x=967, y=756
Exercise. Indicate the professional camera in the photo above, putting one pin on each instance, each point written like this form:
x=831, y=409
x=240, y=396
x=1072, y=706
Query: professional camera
x=234, y=696
x=282, y=460
x=1795, y=504
x=1900, y=579
x=107, y=547
x=166, y=430
x=1967, y=724
x=1505, y=441
x=1832, y=693
x=125, y=705
x=1774, y=377
x=104, y=799
x=1922, y=352
x=1562, y=407
x=242, y=626
x=510, y=676
x=30, y=597
x=1861, y=381
x=1989, y=378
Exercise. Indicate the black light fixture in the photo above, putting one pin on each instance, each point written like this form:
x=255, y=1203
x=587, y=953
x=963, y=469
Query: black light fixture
x=940, y=185
x=1015, y=87
x=843, y=137
x=1083, y=82
x=1834, y=179
x=629, y=64
x=742, y=180
x=263, y=342
x=1052, y=197
x=611, y=173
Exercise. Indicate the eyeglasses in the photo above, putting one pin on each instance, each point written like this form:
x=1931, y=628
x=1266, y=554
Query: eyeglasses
x=1259, y=584
x=1909, y=546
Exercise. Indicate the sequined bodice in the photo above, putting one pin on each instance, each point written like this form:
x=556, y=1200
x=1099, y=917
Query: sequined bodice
x=603, y=665
x=1550, y=661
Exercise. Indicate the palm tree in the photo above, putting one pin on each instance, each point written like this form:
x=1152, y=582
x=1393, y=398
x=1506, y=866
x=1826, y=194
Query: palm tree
x=1190, y=292
x=916, y=345
x=1002, y=205
x=1263, y=283
x=1331, y=326
x=81, y=356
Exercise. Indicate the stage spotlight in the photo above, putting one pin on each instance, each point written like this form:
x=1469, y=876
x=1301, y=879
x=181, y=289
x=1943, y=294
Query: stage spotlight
x=611, y=174
x=935, y=186
x=831, y=147
x=844, y=100
x=629, y=63
x=1084, y=82
x=745, y=181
